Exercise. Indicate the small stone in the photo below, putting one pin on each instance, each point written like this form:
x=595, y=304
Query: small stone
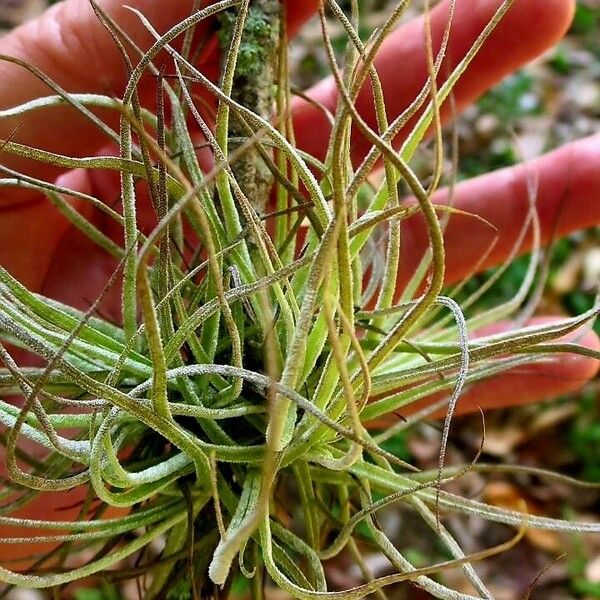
x=585, y=95
x=592, y=570
x=23, y=594
x=591, y=269
x=486, y=126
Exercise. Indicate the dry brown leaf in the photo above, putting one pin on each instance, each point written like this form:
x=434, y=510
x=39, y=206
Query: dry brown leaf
x=507, y=495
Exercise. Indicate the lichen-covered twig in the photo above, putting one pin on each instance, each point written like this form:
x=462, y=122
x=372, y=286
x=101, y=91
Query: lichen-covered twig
x=254, y=87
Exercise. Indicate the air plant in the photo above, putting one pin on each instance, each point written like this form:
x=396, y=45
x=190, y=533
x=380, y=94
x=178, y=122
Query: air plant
x=262, y=331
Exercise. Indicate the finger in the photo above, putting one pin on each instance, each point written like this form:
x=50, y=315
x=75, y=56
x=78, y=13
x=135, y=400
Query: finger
x=45, y=506
x=298, y=13
x=30, y=232
x=567, y=184
x=554, y=376
x=70, y=46
x=63, y=506
x=402, y=65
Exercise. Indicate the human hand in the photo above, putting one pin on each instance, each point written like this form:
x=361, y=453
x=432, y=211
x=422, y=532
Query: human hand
x=41, y=249
x=70, y=46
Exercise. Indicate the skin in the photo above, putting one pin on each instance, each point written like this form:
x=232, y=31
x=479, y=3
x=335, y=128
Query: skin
x=69, y=45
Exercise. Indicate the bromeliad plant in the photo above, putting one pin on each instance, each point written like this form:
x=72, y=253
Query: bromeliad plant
x=247, y=366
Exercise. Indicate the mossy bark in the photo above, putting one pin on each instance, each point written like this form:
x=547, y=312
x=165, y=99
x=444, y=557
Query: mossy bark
x=254, y=87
